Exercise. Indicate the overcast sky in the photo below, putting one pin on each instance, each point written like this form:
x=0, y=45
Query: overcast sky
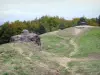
x=11, y=10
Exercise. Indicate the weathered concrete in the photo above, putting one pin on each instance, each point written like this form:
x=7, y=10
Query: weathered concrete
x=25, y=36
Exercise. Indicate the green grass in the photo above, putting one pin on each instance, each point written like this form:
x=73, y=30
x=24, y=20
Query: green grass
x=88, y=43
x=15, y=59
x=56, y=44
x=85, y=68
x=12, y=62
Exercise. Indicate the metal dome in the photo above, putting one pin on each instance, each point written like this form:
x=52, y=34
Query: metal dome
x=25, y=31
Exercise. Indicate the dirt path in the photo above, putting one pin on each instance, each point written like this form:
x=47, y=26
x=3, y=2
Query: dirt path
x=63, y=61
x=72, y=42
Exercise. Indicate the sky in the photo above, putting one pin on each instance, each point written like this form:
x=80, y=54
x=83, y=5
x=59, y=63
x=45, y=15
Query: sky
x=11, y=10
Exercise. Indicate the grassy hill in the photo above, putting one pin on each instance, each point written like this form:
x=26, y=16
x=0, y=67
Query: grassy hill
x=89, y=43
x=63, y=52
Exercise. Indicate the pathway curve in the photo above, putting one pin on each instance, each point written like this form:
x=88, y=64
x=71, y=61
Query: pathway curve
x=72, y=42
x=63, y=61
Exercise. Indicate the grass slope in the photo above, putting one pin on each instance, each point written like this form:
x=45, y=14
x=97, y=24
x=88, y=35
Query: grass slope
x=26, y=59
x=56, y=44
x=89, y=43
x=84, y=68
x=89, y=46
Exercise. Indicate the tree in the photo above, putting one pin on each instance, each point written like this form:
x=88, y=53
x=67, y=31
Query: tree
x=51, y=23
x=92, y=22
x=42, y=29
x=5, y=33
x=61, y=26
x=48, y=24
x=75, y=21
x=98, y=20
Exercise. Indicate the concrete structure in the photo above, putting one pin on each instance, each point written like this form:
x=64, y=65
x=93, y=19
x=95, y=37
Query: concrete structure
x=25, y=36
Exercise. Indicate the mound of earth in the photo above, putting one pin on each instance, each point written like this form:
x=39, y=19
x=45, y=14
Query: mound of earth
x=23, y=58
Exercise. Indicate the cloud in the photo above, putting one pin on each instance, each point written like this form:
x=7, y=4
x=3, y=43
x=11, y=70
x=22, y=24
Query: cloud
x=17, y=9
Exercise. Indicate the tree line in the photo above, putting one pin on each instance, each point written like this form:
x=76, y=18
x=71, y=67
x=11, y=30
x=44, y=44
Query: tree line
x=40, y=26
